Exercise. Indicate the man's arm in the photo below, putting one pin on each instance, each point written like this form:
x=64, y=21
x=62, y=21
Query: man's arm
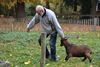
x=32, y=23
x=57, y=26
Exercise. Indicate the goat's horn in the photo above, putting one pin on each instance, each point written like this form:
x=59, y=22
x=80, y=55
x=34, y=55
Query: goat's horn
x=71, y=36
x=66, y=37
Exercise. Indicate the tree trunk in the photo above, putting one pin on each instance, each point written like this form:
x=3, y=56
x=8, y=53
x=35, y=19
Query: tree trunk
x=75, y=5
x=20, y=10
x=86, y=7
x=93, y=7
x=47, y=4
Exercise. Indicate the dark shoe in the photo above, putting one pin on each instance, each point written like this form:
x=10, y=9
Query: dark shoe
x=54, y=59
x=47, y=57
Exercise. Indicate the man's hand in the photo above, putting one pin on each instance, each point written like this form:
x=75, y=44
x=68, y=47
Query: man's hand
x=28, y=29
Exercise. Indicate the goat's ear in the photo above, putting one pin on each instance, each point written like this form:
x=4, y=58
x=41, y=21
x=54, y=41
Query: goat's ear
x=61, y=44
x=61, y=41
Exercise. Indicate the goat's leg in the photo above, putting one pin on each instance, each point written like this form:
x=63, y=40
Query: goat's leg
x=89, y=58
x=67, y=57
x=88, y=55
x=84, y=59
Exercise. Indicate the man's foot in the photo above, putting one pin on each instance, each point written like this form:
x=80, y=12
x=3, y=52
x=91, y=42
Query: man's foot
x=47, y=57
x=54, y=59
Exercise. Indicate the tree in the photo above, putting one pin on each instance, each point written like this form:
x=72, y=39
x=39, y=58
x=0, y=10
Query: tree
x=71, y=3
x=75, y=5
x=85, y=6
x=16, y=6
x=47, y=4
x=93, y=7
x=20, y=10
x=6, y=5
x=2, y=11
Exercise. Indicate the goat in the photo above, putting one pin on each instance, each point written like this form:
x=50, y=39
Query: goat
x=73, y=50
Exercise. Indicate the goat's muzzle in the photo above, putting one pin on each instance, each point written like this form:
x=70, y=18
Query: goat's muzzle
x=62, y=41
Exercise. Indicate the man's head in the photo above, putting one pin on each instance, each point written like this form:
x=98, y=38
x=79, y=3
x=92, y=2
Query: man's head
x=40, y=10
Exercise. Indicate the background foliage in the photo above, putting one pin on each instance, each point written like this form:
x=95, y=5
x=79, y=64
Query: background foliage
x=11, y=7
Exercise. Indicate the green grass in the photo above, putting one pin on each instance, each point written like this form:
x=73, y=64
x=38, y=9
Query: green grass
x=20, y=47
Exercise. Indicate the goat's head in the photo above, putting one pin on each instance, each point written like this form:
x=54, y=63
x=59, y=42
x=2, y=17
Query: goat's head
x=63, y=41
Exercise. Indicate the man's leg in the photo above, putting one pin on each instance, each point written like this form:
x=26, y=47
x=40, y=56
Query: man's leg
x=53, y=38
x=47, y=52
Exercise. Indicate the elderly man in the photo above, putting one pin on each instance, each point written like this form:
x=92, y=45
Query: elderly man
x=50, y=26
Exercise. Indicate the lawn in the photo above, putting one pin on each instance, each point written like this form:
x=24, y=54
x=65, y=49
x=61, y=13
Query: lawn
x=21, y=49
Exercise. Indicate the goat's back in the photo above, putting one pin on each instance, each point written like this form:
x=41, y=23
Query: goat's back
x=79, y=50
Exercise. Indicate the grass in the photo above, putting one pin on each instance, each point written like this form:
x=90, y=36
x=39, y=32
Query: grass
x=21, y=49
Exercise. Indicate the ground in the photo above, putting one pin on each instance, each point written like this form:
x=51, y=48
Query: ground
x=21, y=49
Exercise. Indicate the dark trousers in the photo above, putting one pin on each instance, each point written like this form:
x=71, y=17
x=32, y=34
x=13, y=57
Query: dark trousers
x=52, y=53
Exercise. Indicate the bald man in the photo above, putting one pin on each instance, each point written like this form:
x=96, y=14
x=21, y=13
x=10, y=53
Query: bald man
x=50, y=26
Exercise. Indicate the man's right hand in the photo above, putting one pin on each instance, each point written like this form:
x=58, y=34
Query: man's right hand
x=28, y=29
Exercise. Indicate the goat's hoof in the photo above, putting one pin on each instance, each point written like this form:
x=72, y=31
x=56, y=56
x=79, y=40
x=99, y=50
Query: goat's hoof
x=66, y=60
x=90, y=61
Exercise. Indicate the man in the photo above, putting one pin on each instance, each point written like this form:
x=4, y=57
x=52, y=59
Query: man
x=50, y=26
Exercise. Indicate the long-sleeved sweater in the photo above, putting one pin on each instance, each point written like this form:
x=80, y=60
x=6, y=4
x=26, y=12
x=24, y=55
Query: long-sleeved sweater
x=48, y=22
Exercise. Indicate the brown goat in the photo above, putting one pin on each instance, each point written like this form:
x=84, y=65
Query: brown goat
x=73, y=50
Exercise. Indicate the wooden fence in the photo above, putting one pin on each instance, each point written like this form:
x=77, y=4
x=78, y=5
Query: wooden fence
x=68, y=23
x=43, y=49
x=86, y=22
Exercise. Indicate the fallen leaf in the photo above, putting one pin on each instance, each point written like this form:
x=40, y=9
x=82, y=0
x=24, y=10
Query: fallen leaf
x=28, y=62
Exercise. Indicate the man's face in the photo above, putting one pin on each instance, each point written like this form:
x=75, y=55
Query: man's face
x=40, y=12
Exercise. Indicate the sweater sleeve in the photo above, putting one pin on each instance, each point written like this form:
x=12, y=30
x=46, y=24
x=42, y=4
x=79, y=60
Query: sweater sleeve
x=57, y=25
x=33, y=22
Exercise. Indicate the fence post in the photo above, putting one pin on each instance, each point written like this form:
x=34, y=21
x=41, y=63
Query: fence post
x=94, y=23
x=43, y=49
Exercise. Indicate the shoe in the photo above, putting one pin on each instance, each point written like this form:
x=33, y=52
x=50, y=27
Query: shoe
x=54, y=59
x=47, y=57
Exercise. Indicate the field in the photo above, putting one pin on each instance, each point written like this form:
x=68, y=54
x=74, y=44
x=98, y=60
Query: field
x=21, y=49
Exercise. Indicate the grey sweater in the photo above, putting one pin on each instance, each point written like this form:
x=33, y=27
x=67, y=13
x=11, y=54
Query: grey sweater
x=48, y=22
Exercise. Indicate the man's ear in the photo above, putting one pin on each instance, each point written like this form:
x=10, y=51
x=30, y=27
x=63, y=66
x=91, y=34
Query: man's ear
x=28, y=30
